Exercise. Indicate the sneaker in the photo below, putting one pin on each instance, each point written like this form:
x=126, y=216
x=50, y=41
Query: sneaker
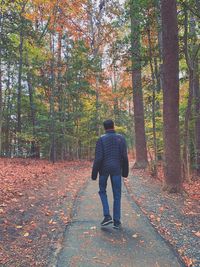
x=117, y=225
x=107, y=220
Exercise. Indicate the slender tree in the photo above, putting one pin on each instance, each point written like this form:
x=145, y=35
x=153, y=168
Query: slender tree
x=1, y=102
x=19, y=91
x=197, y=117
x=171, y=96
x=140, y=139
x=52, y=153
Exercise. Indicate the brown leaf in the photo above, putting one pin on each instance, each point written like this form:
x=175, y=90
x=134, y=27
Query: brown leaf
x=197, y=234
x=161, y=209
x=178, y=224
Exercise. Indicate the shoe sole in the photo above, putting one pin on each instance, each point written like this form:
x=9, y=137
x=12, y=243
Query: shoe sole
x=117, y=227
x=106, y=223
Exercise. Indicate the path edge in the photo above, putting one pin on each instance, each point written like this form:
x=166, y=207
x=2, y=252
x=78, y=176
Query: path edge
x=131, y=197
x=55, y=254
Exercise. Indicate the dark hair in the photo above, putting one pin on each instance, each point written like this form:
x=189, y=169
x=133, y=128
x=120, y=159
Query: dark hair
x=108, y=124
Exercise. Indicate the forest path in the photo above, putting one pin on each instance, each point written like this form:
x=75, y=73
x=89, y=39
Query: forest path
x=137, y=244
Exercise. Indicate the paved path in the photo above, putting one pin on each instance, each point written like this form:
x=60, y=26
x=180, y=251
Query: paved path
x=137, y=244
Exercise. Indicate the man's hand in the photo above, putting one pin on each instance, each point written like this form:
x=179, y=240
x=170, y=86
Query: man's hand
x=94, y=178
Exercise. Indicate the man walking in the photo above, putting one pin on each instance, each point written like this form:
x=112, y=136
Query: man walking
x=110, y=160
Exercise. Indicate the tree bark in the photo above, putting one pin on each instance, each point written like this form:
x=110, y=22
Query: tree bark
x=19, y=92
x=52, y=154
x=197, y=115
x=186, y=152
x=34, y=147
x=8, y=113
x=173, y=179
x=61, y=99
x=95, y=29
x=1, y=98
x=140, y=138
x=191, y=61
x=153, y=97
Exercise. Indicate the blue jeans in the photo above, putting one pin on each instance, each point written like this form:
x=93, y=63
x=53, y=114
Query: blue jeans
x=116, y=188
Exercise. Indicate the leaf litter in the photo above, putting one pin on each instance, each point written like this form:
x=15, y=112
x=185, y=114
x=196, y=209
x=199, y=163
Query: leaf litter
x=36, y=203
x=176, y=217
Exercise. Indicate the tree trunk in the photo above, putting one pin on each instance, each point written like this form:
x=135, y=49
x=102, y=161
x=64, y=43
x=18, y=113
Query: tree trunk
x=1, y=98
x=197, y=116
x=95, y=30
x=171, y=96
x=114, y=88
x=8, y=113
x=34, y=147
x=52, y=154
x=98, y=131
x=153, y=98
x=19, y=92
x=186, y=152
x=159, y=30
x=61, y=98
x=193, y=92
x=140, y=138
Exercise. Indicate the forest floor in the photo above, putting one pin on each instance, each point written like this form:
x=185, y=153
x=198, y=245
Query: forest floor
x=175, y=216
x=36, y=204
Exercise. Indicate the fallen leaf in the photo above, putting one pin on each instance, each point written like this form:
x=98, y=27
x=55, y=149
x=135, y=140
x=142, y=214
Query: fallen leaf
x=189, y=262
x=19, y=226
x=50, y=222
x=161, y=209
x=21, y=210
x=3, y=205
x=32, y=197
x=158, y=219
x=26, y=234
x=197, y=234
x=152, y=216
x=178, y=224
x=14, y=200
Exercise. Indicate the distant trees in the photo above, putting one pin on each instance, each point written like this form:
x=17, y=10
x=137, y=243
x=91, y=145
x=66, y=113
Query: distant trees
x=67, y=66
x=53, y=88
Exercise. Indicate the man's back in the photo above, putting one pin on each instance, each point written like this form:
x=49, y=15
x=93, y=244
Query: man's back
x=110, y=152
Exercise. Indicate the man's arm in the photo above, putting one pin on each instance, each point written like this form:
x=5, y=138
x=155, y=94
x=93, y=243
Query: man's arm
x=98, y=159
x=125, y=163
